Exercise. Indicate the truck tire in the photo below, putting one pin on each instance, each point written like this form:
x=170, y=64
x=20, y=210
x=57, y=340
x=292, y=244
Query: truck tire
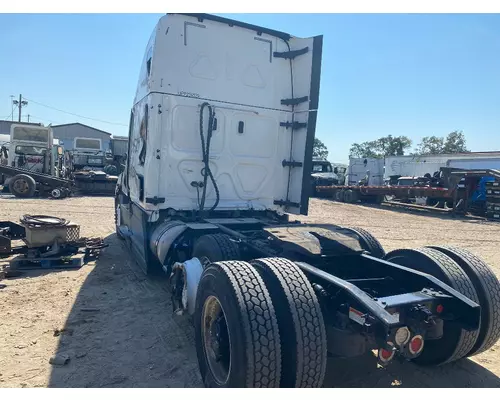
x=216, y=247
x=349, y=196
x=375, y=199
x=368, y=242
x=339, y=196
x=488, y=290
x=22, y=185
x=244, y=351
x=300, y=322
x=456, y=342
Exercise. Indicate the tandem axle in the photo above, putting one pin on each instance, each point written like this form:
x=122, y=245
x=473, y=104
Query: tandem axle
x=327, y=287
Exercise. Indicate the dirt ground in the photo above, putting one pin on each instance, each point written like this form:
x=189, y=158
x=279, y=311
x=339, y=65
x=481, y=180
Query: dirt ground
x=117, y=326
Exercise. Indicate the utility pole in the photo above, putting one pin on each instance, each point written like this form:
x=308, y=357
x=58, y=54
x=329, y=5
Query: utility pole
x=12, y=107
x=28, y=118
x=20, y=104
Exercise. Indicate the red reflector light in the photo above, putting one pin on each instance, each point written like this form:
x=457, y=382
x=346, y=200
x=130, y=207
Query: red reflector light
x=416, y=344
x=439, y=309
x=385, y=355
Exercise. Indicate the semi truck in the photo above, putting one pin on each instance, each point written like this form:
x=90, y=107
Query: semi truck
x=32, y=163
x=119, y=147
x=28, y=146
x=219, y=161
x=323, y=174
x=88, y=153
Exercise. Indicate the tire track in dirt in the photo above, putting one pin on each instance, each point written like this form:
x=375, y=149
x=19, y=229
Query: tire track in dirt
x=134, y=340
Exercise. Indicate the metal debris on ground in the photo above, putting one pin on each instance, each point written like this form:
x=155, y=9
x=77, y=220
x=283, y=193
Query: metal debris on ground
x=22, y=262
x=50, y=243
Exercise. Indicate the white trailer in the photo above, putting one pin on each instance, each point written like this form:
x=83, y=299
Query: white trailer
x=413, y=165
x=475, y=163
x=359, y=168
x=420, y=165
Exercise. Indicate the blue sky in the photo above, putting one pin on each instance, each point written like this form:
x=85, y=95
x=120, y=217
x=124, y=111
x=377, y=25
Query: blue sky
x=414, y=75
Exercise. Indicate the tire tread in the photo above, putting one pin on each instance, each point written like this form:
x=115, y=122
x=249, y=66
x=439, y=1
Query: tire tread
x=487, y=286
x=259, y=323
x=309, y=326
x=374, y=246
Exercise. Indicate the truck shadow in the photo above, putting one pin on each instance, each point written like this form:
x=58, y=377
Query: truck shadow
x=121, y=332
x=365, y=372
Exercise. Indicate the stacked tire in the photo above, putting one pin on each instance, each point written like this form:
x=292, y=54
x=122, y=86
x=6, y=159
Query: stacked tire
x=493, y=200
x=351, y=196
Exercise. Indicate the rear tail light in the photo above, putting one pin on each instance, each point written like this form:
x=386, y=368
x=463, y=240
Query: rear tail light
x=416, y=344
x=385, y=355
x=402, y=336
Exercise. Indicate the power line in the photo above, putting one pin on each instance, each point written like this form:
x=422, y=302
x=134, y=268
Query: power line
x=10, y=115
x=42, y=119
x=76, y=115
x=12, y=107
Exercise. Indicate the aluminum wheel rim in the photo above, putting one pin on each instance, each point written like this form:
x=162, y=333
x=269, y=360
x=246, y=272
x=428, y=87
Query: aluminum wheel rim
x=216, y=340
x=21, y=185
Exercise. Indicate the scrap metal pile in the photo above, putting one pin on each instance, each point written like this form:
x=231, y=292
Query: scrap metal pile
x=46, y=242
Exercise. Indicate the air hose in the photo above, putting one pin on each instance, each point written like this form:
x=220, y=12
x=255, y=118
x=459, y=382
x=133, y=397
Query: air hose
x=205, y=148
x=38, y=221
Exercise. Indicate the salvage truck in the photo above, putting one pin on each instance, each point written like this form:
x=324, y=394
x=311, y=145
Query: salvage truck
x=219, y=160
x=35, y=163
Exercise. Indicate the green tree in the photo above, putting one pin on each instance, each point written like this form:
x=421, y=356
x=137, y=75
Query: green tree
x=430, y=145
x=365, y=149
x=319, y=149
x=454, y=142
x=393, y=146
x=383, y=147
